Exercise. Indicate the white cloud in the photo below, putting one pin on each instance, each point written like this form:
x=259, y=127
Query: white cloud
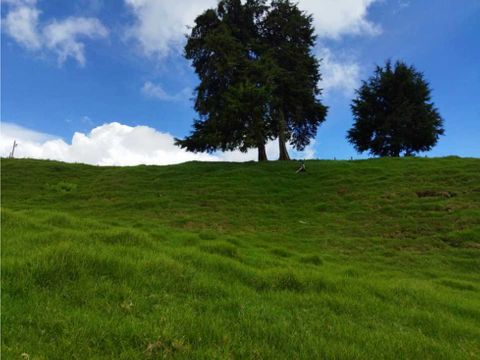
x=21, y=24
x=61, y=37
x=156, y=91
x=116, y=144
x=10, y=132
x=334, y=18
x=160, y=25
x=337, y=74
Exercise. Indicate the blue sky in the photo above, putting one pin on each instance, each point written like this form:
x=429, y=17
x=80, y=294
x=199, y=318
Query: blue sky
x=116, y=66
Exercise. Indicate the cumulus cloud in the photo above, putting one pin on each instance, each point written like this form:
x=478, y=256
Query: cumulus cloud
x=157, y=92
x=21, y=24
x=338, y=74
x=334, y=18
x=159, y=25
x=62, y=37
x=10, y=132
x=116, y=144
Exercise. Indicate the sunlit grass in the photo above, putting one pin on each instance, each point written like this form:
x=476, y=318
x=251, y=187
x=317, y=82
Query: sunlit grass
x=212, y=260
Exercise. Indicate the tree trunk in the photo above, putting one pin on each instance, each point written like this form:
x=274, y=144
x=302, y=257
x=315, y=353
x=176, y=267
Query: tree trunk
x=262, y=153
x=281, y=137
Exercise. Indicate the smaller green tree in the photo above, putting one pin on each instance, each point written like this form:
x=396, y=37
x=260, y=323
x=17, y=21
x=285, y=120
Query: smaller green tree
x=394, y=114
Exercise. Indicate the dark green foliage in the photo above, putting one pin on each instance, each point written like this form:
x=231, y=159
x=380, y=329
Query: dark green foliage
x=394, y=114
x=258, y=78
x=231, y=98
x=296, y=112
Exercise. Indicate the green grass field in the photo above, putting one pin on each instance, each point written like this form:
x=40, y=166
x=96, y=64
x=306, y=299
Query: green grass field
x=374, y=259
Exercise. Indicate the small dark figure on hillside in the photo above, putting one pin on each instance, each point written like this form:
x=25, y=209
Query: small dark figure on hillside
x=302, y=168
x=394, y=114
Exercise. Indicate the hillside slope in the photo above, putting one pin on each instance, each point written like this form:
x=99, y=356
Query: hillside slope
x=353, y=259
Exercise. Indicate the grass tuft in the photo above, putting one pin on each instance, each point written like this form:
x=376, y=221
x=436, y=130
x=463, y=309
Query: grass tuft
x=311, y=259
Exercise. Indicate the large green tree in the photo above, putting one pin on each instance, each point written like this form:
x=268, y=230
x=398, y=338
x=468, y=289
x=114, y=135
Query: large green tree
x=232, y=97
x=258, y=78
x=394, y=113
x=288, y=39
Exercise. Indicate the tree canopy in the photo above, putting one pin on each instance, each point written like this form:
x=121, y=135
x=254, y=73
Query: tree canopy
x=258, y=78
x=288, y=37
x=221, y=48
x=394, y=114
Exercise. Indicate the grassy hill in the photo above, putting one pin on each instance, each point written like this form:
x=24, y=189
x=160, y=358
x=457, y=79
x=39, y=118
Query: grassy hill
x=353, y=259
